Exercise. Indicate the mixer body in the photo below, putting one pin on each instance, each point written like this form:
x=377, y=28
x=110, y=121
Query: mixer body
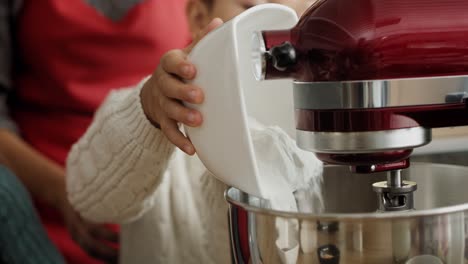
x=362, y=72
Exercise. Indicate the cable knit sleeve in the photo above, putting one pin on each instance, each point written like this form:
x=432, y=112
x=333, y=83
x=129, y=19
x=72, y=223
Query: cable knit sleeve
x=114, y=169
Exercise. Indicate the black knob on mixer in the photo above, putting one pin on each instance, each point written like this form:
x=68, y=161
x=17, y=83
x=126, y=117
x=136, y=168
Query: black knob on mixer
x=283, y=56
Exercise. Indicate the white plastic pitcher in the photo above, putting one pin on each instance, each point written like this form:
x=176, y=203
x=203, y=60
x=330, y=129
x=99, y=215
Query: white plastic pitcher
x=225, y=71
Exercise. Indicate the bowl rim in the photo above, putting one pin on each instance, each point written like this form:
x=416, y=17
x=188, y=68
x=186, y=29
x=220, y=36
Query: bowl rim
x=460, y=208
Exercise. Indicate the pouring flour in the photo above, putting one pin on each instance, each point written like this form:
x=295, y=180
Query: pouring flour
x=292, y=178
x=284, y=168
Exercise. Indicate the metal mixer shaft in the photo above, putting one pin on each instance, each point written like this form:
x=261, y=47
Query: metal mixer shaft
x=395, y=194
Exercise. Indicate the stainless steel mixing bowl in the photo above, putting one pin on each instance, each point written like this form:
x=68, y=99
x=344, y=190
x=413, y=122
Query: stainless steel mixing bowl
x=346, y=229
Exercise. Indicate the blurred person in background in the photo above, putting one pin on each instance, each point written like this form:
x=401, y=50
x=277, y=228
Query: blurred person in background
x=23, y=239
x=58, y=61
x=126, y=167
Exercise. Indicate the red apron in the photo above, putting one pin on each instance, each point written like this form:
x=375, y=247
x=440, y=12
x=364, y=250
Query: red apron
x=71, y=57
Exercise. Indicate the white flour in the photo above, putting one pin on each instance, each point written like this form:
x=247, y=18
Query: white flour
x=292, y=176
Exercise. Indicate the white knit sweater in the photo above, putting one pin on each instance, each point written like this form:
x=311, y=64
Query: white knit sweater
x=123, y=170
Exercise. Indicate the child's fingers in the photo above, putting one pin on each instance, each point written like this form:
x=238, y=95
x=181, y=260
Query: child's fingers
x=173, y=134
x=176, y=89
x=175, y=62
x=176, y=111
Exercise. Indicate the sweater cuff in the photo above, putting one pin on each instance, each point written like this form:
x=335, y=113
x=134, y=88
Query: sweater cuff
x=152, y=134
x=122, y=113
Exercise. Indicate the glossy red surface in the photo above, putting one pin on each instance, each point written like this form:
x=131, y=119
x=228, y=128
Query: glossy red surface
x=365, y=158
x=349, y=120
x=376, y=39
x=397, y=165
x=428, y=116
x=239, y=235
x=370, y=162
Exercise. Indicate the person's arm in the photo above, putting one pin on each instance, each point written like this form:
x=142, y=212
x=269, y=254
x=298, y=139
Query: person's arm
x=31, y=167
x=12, y=147
x=113, y=170
x=46, y=181
x=39, y=174
x=43, y=178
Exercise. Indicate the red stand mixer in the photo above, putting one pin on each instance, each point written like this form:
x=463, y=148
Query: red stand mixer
x=351, y=61
x=361, y=73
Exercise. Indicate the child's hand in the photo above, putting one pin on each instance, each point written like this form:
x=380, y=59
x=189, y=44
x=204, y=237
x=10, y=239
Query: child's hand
x=162, y=95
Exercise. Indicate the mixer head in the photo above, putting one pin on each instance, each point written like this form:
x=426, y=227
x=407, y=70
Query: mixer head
x=370, y=82
x=374, y=126
x=370, y=125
